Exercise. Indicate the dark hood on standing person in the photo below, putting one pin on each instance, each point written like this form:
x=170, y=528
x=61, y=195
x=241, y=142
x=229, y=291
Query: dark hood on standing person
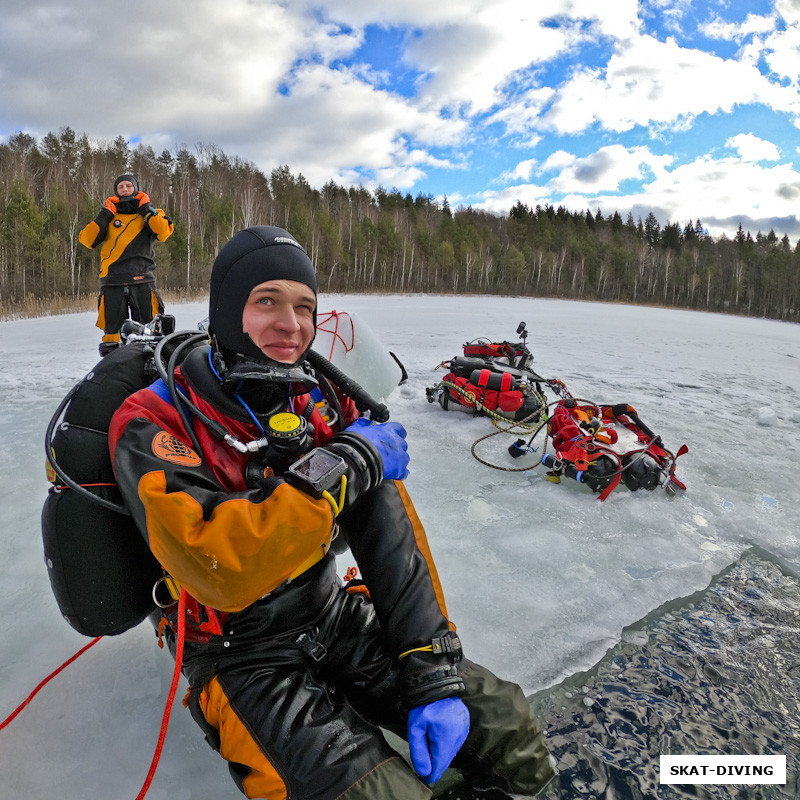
x=254, y=255
x=127, y=205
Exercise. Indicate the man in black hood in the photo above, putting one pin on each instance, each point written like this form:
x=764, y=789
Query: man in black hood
x=291, y=672
x=126, y=227
x=262, y=316
x=256, y=255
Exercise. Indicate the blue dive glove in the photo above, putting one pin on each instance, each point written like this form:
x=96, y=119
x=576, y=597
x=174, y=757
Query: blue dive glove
x=436, y=732
x=389, y=439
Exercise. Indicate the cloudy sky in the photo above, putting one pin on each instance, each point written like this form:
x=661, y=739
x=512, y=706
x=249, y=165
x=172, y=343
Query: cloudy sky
x=691, y=110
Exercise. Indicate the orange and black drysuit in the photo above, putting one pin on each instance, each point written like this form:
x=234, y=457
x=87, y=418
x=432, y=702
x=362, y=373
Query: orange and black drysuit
x=292, y=686
x=126, y=236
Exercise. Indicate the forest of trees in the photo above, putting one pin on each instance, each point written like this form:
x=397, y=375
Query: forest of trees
x=361, y=240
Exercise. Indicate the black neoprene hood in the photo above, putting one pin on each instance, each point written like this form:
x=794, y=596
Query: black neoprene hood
x=127, y=177
x=254, y=255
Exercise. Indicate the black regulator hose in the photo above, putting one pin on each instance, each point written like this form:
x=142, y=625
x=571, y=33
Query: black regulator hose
x=50, y=455
x=363, y=400
x=167, y=374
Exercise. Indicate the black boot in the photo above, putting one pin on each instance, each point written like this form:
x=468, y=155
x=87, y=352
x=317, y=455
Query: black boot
x=107, y=347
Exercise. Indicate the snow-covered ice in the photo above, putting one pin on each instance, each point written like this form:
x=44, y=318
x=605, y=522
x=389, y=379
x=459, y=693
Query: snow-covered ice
x=540, y=578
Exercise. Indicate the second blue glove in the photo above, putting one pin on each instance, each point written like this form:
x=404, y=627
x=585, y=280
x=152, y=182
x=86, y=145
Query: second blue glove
x=389, y=439
x=436, y=732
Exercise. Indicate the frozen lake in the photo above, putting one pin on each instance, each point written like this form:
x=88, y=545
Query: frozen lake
x=541, y=579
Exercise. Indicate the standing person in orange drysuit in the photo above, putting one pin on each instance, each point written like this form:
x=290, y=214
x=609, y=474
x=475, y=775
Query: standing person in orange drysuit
x=125, y=229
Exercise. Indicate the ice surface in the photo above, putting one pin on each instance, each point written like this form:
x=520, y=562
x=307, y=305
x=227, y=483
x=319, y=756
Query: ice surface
x=540, y=578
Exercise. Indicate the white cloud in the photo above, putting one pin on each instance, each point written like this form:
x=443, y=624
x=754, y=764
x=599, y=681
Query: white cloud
x=521, y=172
x=330, y=119
x=789, y=10
x=763, y=39
x=266, y=80
x=467, y=64
x=147, y=68
x=558, y=160
x=648, y=81
x=252, y=77
x=417, y=13
x=469, y=51
x=598, y=174
x=670, y=12
x=617, y=20
x=752, y=148
x=724, y=190
x=737, y=31
x=781, y=52
x=521, y=116
x=605, y=170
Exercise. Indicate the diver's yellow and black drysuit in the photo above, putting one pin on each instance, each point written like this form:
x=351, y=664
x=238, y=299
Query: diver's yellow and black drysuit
x=293, y=672
x=125, y=229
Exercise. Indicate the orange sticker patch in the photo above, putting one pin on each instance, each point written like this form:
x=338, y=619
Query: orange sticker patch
x=51, y=473
x=168, y=448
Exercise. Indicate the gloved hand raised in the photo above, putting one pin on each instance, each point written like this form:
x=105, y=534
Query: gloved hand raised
x=436, y=732
x=145, y=209
x=389, y=439
x=372, y=452
x=111, y=203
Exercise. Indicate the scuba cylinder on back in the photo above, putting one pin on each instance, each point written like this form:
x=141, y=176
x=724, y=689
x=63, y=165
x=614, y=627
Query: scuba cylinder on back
x=100, y=568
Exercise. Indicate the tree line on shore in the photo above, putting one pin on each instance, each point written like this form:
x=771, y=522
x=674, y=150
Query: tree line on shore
x=362, y=240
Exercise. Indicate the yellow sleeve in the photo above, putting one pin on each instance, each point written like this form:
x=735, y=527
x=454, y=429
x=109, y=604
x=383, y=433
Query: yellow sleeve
x=91, y=235
x=161, y=225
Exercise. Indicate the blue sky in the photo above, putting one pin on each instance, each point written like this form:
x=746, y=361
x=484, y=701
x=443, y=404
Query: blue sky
x=687, y=110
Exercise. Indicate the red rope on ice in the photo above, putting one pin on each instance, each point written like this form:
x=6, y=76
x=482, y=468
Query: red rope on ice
x=176, y=675
x=47, y=680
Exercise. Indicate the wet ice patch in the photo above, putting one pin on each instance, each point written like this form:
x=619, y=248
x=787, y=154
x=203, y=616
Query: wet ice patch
x=767, y=503
x=480, y=510
x=766, y=416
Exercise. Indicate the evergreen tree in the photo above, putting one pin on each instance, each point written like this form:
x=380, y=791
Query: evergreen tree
x=361, y=240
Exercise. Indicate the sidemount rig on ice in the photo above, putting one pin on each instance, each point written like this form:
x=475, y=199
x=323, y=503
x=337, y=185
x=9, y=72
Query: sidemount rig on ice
x=599, y=445
x=492, y=378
